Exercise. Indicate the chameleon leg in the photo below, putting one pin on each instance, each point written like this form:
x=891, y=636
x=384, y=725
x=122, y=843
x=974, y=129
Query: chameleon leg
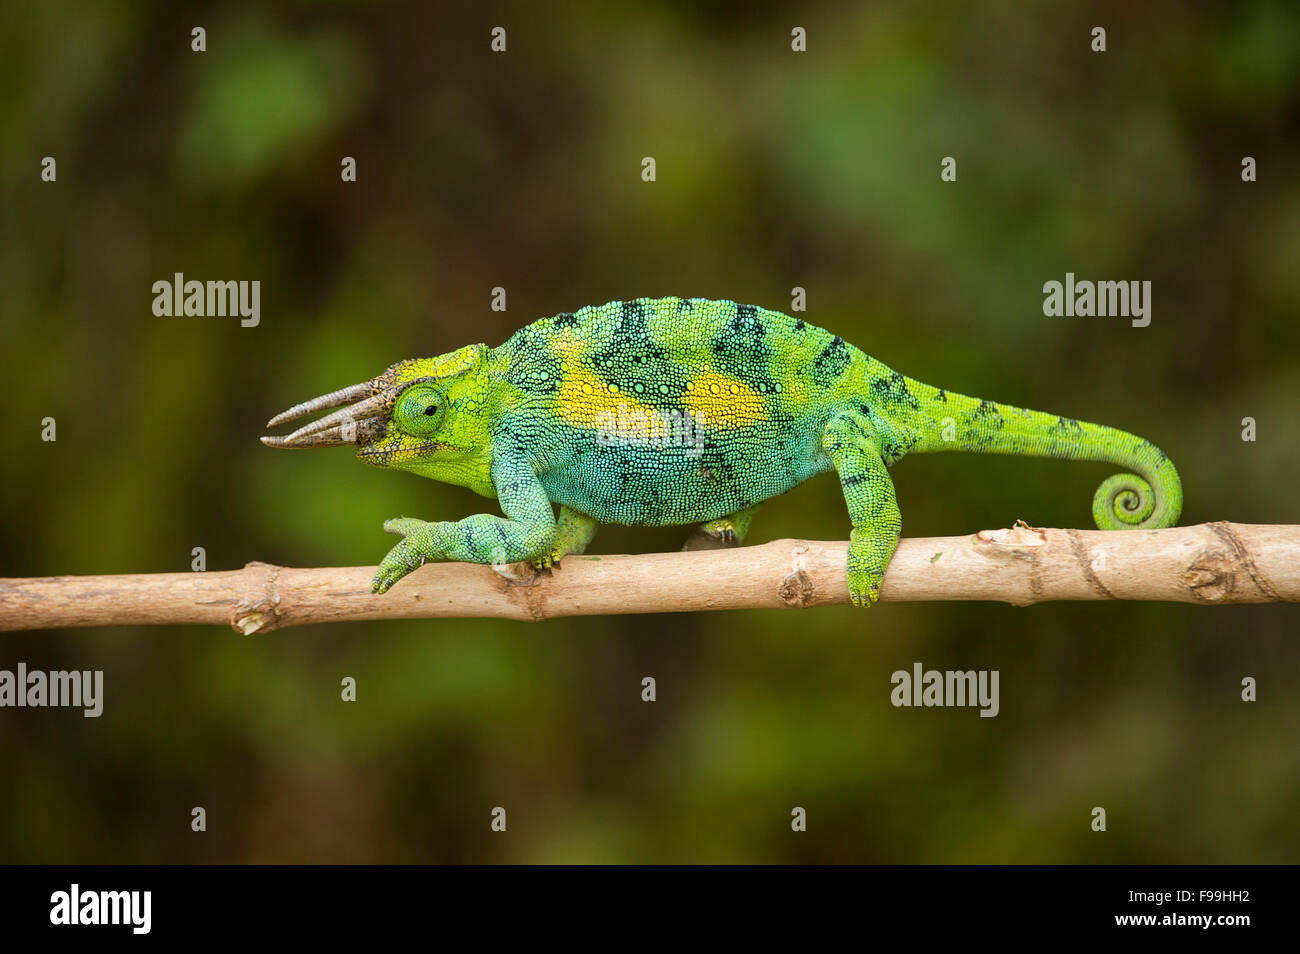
x=728, y=531
x=526, y=531
x=854, y=448
x=572, y=534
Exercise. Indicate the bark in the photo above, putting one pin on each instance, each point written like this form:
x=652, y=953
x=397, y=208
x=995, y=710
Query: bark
x=1214, y=563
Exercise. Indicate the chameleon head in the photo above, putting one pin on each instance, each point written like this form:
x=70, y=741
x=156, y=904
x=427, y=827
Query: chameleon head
x=400, y=419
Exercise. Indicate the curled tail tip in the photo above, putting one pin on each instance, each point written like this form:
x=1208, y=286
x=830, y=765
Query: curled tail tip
x=1128, y=502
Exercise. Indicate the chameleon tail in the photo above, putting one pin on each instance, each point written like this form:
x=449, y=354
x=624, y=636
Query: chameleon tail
x=1150, y=498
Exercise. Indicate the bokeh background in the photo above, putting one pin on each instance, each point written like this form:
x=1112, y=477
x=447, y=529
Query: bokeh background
x=522, y=170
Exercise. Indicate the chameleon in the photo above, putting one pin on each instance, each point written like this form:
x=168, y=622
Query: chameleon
x=683, y=412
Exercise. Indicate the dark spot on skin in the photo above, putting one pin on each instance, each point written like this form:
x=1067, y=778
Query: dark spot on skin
x=533, y=367
x=628, y=337
x=894, y=390
x=739, y=349
x=746, y=322
x=565, y=318
x=942, y=395
x=1068, y=424
x=892, y=451
x=800, y=324
x=831, y=363
x=852, y=480
x=986, y=409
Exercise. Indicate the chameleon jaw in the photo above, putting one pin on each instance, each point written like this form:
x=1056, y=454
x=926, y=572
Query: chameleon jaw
x=369, y=452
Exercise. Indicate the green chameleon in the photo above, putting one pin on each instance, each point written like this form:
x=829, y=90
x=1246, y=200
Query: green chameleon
x=680, y=411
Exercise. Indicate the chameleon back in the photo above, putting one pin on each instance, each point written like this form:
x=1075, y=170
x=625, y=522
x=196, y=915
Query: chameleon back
x=672, y=411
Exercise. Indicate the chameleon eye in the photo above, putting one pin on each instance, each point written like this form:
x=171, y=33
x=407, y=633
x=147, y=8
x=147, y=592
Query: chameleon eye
x=418, y=410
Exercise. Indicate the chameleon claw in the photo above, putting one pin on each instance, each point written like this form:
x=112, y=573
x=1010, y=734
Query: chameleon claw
x=867, y=599
x=547, y=562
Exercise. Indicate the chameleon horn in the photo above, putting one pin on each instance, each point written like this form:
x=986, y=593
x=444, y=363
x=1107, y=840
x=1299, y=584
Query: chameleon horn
x=373, y=406
x=324, y=402
x=330, y=438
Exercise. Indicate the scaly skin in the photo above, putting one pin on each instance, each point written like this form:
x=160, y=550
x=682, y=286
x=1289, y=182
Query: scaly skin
x=675, y=411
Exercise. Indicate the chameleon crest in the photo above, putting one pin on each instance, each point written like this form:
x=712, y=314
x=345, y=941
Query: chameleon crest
x=683, y=411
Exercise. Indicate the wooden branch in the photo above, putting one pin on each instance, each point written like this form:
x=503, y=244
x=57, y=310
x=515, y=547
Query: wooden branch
x=1212, y=563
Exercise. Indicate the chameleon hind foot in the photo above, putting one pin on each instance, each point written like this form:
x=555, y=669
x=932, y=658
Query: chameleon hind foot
x=723, y=533
x=855, y=449
x=869, y=554
x=573, y=531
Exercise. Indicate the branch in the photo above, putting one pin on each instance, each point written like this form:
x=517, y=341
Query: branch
x=1210, y=563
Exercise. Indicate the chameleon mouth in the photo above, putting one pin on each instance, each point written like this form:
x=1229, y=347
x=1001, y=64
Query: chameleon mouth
x=372, y=449
x=363, y=420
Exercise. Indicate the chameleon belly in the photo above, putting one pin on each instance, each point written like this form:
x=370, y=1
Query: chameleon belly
x=651, y=486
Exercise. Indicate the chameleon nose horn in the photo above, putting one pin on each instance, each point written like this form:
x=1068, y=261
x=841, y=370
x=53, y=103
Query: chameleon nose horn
x=331, y=438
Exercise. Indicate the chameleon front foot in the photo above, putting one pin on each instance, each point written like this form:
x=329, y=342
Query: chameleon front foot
x=419, y=545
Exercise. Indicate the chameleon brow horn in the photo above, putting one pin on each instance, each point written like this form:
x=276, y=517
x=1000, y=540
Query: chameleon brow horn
x=334, y=399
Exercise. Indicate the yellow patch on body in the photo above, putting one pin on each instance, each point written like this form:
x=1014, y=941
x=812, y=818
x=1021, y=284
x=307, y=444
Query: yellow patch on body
x=585, y=399
x=722, y=402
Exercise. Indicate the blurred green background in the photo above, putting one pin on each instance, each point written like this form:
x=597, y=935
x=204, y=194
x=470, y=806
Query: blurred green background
x=522, y=170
